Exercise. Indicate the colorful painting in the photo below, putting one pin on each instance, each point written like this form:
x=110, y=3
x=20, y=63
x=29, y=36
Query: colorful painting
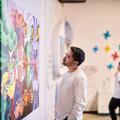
x=19, y=62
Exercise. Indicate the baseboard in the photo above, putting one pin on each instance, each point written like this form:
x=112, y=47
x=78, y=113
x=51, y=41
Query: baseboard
x=94, y=112
x=101, y=114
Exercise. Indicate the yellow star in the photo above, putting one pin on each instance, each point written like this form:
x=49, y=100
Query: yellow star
x=107, y=48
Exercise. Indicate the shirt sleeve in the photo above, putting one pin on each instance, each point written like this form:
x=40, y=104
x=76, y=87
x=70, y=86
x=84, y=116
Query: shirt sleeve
x=80, y=91
x=118, y=77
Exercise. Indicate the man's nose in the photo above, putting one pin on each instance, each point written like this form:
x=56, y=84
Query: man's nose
x=64, y=58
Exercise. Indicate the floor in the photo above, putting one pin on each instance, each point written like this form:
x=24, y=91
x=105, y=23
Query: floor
x=88, y=116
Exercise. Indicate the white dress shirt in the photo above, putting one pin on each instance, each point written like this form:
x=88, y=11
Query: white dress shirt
x=116, y=93
x=71, y=96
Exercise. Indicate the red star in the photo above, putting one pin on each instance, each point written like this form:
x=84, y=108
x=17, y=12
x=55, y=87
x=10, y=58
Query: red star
x=115, y=56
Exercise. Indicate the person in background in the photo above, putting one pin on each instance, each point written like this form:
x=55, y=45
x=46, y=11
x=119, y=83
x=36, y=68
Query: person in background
x=72, y=90
x=115, y=100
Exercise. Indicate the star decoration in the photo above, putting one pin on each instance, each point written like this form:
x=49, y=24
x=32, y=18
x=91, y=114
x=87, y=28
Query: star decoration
x=118, y=47
x=115, y=56
x=110, y=66
x=107, y=48
x=107, y=34
x=95, y=49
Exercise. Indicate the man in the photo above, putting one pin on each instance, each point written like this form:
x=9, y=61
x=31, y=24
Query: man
x=71, y=93
x=115, y=100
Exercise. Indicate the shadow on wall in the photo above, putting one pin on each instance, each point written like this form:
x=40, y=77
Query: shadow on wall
x=92, y=99
x=62, y=38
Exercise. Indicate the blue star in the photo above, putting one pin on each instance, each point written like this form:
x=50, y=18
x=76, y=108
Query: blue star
x=110, y=66
x=107, y=34
x=118, y=47
x=95, y=49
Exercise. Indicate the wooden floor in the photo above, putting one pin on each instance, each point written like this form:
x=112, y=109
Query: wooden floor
x=88, y=116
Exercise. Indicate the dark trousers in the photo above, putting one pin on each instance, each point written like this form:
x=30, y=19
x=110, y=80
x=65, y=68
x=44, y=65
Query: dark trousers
x=66, y=118
x=114, y=103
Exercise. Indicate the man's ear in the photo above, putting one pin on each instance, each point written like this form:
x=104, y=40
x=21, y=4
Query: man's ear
x=76, y=63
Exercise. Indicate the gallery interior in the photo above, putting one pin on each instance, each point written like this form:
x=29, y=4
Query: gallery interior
x=35, y=36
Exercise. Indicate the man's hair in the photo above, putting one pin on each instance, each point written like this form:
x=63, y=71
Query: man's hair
x=78, y=55
x=119, y=63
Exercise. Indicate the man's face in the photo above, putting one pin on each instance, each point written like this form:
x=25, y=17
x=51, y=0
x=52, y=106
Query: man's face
x=68, y=59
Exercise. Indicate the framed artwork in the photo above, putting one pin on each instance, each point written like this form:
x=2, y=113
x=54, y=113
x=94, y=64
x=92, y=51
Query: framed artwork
x=19, y=62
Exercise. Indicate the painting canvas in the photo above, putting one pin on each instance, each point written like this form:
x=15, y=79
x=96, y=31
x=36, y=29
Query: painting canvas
x=19, y=62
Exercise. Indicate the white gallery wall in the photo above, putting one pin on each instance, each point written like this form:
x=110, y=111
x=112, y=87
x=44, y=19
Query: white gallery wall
x=94, y=23
x=54, y=17
x=91, y=21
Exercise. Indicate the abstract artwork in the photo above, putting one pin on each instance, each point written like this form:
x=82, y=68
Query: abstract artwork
x=19, y=62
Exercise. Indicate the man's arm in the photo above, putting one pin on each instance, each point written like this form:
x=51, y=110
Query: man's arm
x=80, y=90
x=118, y=77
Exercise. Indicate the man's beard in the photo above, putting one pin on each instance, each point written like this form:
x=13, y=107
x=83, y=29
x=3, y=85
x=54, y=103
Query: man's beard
x=64, y=64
